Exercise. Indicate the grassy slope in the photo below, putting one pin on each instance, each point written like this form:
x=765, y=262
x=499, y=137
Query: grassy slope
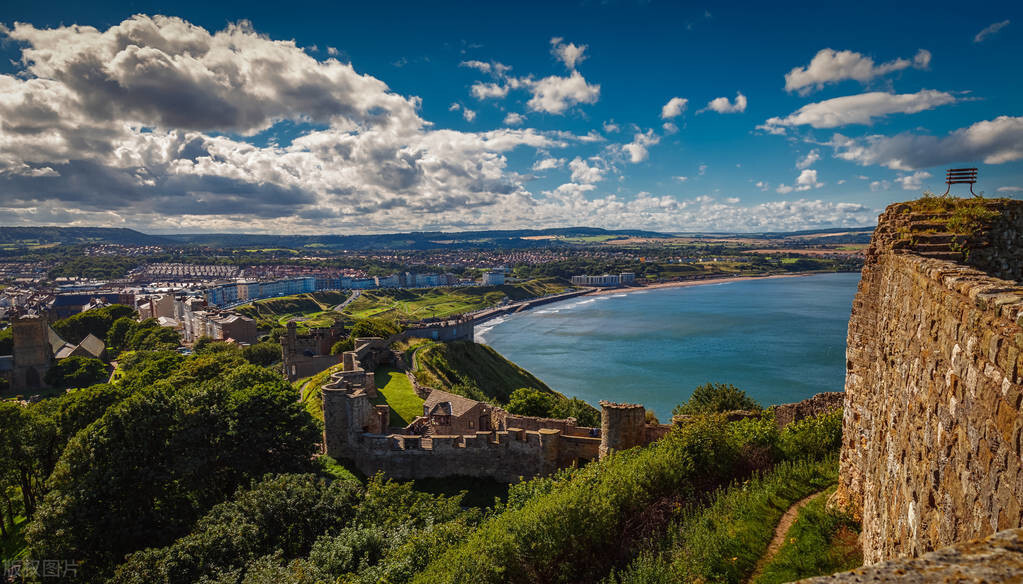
x=444, y=302
x=310, y=390
x=442, y=365
x=396, y=391
x=315, y=306
x=820, y=542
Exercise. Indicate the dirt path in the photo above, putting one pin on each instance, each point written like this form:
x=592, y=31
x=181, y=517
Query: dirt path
x=780, y=532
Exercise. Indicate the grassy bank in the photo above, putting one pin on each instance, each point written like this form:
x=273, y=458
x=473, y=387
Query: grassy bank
x=417, y=304
x=316, y=308
x=821, y=541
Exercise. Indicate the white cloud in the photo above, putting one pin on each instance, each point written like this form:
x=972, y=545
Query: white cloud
x=468, y=114
x=454, y=107
x=514, y=119
x=994, y=141
x=673, y=108
x=880, y=185
x=830, y=66
x=483, y=91
x=1010, y=189
x=556, y=94
x=583, y=173
x=611, y=127
x=637, y=149
x=842, y=181
x=858, y=109
x=990, y=31
x=669, y=128
x=762, y=185
x=806, y=180
x=913, y=182
x=548, y=163
x=722, y=105
x=702, y=169
x=681, y=178
x=733, y=200
x=333, y=52
x=808, y=160
x=569, y=54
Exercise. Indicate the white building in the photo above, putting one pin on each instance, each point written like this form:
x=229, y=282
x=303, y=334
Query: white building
x=493, y=278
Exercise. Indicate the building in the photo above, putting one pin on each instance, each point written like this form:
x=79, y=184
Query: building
x=65, y=305
x=493, y=278
x=627, y=278
x=308, y=354
x=241, y=329
x=605, y=280
x=448, y=414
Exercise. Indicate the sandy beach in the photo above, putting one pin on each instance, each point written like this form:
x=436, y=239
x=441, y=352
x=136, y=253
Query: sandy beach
x=685, y=283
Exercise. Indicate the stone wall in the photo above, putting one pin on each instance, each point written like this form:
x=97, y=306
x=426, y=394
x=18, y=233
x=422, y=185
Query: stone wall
x=821, y=403
x=931, y=451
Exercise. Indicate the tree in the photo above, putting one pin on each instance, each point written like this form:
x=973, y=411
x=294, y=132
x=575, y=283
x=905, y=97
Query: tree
x=711, y=398
x=154, y=463
x=263, y=354
x=76, y=371
x=528, y=401
x=345, y=344
x=98, y=321
x=117, y=333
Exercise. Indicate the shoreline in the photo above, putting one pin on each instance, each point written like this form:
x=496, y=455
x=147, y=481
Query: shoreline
x=708, y=281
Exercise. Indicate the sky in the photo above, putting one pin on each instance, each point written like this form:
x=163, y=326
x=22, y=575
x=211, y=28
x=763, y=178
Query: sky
x=373, y=117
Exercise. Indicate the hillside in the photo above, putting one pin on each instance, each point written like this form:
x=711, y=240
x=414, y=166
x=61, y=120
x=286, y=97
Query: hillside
x=426, y=303
x=316, y=308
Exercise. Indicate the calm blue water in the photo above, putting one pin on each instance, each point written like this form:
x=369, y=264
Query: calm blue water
x=780, y=340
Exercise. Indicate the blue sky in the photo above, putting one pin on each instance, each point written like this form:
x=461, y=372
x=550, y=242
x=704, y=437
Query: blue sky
x=374, y=117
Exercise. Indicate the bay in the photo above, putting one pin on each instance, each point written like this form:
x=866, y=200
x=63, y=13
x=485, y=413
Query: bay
x=780, y=340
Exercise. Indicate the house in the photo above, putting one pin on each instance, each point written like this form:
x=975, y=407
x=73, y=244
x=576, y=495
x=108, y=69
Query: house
x=450, y=414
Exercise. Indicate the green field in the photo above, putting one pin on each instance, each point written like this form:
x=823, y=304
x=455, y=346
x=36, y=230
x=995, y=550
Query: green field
x=396, y=391
x=444, y=302
x=311, y=310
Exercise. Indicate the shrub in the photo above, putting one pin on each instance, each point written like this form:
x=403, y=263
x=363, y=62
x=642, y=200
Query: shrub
x=711, y=398
x=814, y=437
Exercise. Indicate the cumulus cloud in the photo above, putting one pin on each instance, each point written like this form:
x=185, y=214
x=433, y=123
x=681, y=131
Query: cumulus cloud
x=994, y=141
x=673, y=108
x=611, y=127
x=830, y=66
x=556, y=94
x=483, y=91
x=568, y=53
x=1010, y=189
x=722, y=105
x=681, y=178
x=858, y=109
x=514, y=119
x=637, y=149
x=990, y=31
x=808, y=160
x=548, y=163
x=468, y=114
x=806, y=180
x=913, y=182
x=669, y=128
x=584, y=173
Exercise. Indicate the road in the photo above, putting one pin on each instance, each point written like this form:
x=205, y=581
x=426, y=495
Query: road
x=355, y=294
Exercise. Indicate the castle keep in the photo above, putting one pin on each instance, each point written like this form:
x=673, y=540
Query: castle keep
x=933, y=432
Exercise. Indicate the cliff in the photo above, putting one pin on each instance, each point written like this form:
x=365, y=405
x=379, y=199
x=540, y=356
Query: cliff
x=933, y=435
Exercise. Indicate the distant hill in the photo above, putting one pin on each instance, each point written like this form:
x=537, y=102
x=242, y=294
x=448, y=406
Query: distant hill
x=78, y=235
x=523, y=238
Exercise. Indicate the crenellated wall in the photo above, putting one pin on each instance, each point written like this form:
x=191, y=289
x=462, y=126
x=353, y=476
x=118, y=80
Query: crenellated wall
x=933, y=432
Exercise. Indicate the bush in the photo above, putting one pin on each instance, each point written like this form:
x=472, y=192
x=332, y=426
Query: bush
x=263, y=354
x=814, y=437
x=711, y=398
x=723, y=541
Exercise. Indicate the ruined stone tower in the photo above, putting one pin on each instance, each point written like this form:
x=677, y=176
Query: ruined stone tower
x=32, y=353
x=622, y=426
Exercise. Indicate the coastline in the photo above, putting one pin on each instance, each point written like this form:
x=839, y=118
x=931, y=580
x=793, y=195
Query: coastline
x=708, y=281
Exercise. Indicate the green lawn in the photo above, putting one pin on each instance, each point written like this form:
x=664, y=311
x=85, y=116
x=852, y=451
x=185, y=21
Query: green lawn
x=396, y=391
x=309, y=390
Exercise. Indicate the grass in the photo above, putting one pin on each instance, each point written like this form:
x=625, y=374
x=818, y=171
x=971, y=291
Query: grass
x=426, y=303
x=820, y=542
x=309, y=389
x=316, y=308
x=447, y=365
x=723, y=541
x=12, y=547
x=962, y=216
x=396, y=391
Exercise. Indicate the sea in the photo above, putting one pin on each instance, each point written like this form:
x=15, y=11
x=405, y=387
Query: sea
x=780, y=340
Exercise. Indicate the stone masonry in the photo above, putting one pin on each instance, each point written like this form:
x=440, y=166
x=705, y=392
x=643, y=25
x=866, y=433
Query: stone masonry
x=933, y=432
